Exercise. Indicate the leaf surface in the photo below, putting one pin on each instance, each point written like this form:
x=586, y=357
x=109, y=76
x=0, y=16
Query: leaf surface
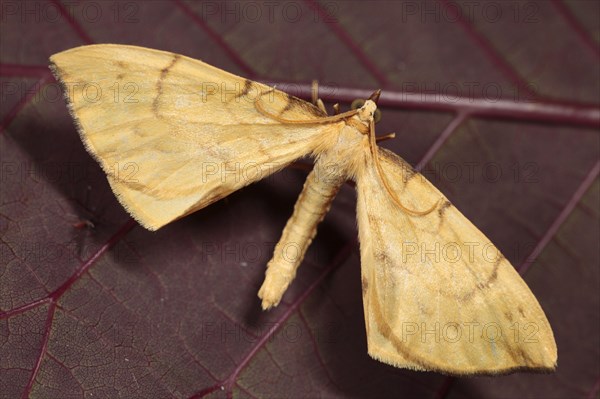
x=117, y=311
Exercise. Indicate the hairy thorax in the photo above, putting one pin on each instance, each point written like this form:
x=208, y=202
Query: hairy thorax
x=344, y=152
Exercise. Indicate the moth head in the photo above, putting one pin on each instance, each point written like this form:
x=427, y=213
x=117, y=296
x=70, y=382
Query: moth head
x=368, y=108
x=367, y=111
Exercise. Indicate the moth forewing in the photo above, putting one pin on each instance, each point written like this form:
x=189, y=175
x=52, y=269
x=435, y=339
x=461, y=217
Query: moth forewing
x=437, y=294
x=174, y=134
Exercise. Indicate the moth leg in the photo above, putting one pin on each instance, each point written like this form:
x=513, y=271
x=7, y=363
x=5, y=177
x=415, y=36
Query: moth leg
x=320, y=188
x=315, y=96
x=321, y=106
x=385, y=137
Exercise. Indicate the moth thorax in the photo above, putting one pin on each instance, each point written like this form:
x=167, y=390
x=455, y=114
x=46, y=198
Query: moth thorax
x=344, y=153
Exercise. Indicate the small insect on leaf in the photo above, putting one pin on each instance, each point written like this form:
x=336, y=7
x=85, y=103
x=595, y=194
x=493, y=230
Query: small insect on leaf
x=169, y=130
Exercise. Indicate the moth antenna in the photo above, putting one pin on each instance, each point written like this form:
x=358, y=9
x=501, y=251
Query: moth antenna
x=373, y=145
x=327, y=119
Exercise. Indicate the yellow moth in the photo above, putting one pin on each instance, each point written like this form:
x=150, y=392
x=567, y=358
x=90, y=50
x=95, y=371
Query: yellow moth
x=174, y=135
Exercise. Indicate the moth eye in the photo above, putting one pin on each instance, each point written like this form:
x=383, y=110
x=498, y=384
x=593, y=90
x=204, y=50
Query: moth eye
x=356, y=104
x=377, y=116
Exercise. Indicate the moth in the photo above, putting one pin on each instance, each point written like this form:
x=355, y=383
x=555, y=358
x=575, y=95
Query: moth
x=174, y=135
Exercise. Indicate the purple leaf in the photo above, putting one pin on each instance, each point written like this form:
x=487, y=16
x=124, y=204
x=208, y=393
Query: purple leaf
x=497, y=102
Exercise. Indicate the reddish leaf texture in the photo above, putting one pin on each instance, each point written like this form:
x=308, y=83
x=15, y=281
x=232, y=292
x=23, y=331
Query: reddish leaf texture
x=496, y=101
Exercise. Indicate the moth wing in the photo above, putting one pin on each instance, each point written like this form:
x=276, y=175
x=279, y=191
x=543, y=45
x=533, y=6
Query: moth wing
x=437, y=294
x=174, y=134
